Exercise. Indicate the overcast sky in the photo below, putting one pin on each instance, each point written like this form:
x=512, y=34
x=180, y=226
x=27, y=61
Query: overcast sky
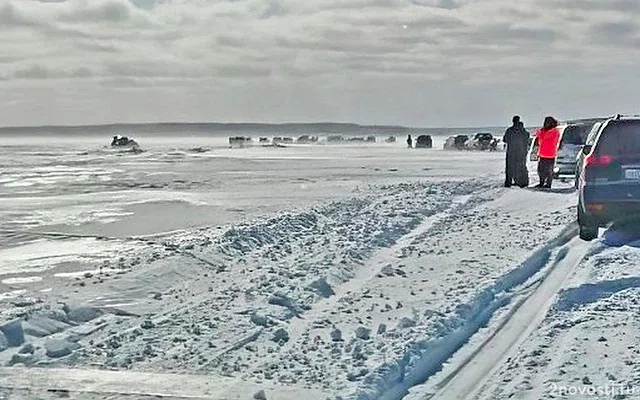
x=408, y=62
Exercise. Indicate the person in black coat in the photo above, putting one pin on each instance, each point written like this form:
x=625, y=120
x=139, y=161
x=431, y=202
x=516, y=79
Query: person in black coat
x=516, y=139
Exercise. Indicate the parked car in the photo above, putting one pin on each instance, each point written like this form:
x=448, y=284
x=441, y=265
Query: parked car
x=581, y=156
x=572, y=138
x=424, y=142
x=609, y=182
x=305, y=139
x=481, y=141
x=282, y=140
x=239, y=142
x=455, y=142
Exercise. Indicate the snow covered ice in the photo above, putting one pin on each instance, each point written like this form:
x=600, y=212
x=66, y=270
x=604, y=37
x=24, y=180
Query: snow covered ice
x=335, y=271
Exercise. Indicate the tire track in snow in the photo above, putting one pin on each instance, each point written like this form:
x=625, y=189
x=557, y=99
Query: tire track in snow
x=424, y=360
x=369, y=271
x=527, y=312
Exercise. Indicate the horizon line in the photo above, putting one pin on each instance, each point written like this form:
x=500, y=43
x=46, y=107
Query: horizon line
x=115, y=124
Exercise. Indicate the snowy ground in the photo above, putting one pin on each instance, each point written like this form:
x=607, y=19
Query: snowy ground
x=587, y=344
x=367, y=272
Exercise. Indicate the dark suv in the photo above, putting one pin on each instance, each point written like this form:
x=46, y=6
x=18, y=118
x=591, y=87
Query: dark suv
x=609, y=179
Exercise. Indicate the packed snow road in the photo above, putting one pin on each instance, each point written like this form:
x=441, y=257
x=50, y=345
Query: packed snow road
x=397, y=282
x=587, y=345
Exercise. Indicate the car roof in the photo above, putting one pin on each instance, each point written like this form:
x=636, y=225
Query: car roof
x=603, y=125
x=621, y=117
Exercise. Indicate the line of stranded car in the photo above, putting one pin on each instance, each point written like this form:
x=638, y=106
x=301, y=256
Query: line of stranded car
x=608, y=174
x=603, y=156
x=481, y=141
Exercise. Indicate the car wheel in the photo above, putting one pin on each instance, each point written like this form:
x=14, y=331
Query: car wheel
x=588, y=226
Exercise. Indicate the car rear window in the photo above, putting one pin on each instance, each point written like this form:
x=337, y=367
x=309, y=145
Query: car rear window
x=620, y=138
x=575, y=134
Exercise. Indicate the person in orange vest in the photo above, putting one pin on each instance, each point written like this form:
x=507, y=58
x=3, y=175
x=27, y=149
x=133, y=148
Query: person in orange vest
x=548, y=139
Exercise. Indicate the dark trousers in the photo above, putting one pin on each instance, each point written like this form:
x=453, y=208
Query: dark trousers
x=516, y=170
x=545, y=171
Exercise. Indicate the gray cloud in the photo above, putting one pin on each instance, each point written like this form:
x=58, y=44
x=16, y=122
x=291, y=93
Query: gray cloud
x=43, y=72
x=325, y=59
x=621, y=6
x=34, y=72
x=621, y=33
x=506, y=33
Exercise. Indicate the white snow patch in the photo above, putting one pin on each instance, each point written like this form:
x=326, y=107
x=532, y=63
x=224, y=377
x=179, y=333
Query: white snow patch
x=21, y=279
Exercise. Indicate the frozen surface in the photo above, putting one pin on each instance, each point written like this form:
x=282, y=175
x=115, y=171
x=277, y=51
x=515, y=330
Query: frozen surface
x=587, y=346
x=361, y=272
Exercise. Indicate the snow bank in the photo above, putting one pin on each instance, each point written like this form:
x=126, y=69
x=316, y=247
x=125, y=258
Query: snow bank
x=587, y=346
x=359, y=298
x=423, y=359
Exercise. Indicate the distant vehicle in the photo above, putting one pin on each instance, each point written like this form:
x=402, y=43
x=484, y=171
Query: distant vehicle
x=609, y=181
x=282, y=140
x=481, y=141
x=123, y=141
x=264, y=141
x=581, y=156
x=370, y=139
x=335, y=138
x=424, y=142
x=304, y=139
x=572, y=138
x=240, y=141
x=456, y=142
x=390, y=139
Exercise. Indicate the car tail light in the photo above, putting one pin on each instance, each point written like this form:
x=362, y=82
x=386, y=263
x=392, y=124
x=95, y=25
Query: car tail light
x=599, y=161
x=595, y=208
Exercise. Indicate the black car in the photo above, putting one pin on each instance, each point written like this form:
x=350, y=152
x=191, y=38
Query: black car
x=424, y=142
x=483, y=140
x=609, y=180
x=591, y=138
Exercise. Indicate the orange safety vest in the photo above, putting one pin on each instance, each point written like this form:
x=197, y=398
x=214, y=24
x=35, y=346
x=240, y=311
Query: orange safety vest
x=548, y=141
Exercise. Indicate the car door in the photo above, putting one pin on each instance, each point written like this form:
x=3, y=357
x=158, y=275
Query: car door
x=591, y=138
